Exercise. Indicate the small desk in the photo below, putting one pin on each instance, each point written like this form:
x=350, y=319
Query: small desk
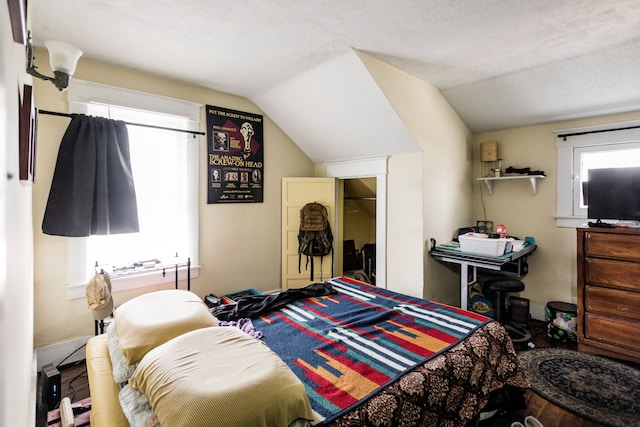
x=475, y=261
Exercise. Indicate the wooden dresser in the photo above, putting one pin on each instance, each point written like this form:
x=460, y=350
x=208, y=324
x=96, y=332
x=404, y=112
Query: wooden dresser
x=609, y=292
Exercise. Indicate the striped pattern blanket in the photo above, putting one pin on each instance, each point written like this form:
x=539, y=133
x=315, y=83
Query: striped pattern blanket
x=347, y=346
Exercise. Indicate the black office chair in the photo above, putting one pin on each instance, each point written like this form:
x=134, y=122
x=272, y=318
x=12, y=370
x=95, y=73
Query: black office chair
x=498, y=286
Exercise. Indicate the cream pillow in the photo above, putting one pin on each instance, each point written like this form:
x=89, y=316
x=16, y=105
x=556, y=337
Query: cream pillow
x=220, y=376
x=149, y=320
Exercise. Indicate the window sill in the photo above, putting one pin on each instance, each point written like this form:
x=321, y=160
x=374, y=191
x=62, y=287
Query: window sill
x=571, y=221
x=138, y=279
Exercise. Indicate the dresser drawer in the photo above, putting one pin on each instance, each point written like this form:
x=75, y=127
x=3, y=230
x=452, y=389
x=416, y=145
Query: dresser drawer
x=617, y=246
x=612, y=301
x=617, y=331
x=623, y=274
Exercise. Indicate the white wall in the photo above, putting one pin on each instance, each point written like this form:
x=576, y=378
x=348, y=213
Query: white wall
x=17, y=378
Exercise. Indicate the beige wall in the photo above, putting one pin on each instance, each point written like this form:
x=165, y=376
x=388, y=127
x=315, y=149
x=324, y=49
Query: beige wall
x=552, y=267
x=239, y=244
x=404, y=224
x=17, y=375
x=439, y=181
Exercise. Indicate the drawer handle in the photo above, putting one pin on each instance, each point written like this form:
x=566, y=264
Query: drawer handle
x=623, y=308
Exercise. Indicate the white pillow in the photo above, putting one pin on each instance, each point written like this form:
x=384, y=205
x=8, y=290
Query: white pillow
x=136, y=408
x=122, y=371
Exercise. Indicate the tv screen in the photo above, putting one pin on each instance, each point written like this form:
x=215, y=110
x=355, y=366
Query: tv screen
x=614, y=193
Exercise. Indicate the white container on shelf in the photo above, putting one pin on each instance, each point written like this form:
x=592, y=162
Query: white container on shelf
x=478, y=243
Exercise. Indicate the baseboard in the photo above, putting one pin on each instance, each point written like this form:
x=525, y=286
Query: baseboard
x=64, y=352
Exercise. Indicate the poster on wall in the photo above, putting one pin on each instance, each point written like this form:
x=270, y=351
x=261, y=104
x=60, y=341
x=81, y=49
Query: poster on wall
x=235, y=147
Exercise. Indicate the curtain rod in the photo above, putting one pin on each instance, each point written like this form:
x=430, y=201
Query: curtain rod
x=193, y=132
x=564, y=136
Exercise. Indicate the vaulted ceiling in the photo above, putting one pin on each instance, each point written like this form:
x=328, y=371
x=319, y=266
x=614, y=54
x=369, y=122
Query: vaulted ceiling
x=499, y=63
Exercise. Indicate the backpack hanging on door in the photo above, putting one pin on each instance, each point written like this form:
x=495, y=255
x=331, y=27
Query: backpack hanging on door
x=314, y=237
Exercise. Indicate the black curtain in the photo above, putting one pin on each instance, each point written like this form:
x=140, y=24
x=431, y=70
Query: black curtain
x=92, y=190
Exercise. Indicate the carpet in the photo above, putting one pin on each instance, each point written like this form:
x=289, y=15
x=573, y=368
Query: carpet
x=593, y=387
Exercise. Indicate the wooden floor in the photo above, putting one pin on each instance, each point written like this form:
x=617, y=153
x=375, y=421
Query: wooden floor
x=76, y=385
x=546, y=412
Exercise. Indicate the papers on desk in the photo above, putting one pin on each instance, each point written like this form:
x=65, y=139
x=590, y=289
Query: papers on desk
x=453, y=246
x=517, y=245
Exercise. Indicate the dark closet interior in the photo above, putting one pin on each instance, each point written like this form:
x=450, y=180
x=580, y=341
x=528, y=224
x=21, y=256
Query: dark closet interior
x=359, y=245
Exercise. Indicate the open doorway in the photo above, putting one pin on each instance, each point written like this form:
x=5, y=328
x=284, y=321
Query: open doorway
x=359, y=229
x=375, y=168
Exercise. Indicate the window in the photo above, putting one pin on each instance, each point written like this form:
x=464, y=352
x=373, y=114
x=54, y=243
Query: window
x=165, y=173
x=590, y=148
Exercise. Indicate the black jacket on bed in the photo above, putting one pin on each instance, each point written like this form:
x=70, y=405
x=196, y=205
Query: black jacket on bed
x=255, y=305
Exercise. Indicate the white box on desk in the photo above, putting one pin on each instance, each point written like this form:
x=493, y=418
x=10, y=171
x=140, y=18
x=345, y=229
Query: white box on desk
x=483, y=245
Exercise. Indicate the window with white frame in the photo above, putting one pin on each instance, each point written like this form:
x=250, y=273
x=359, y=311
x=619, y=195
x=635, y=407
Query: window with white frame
x=165, y=173
x=590, y=148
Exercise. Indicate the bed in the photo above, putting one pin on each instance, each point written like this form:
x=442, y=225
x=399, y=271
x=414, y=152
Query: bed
x=362, y=356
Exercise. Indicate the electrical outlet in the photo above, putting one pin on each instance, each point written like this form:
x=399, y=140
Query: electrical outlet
x=488, y=225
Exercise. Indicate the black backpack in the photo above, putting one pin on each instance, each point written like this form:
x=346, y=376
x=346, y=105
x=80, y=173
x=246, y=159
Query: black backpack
x=314, y=237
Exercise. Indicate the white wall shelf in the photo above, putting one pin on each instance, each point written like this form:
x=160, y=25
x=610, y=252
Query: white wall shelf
x=532, y=180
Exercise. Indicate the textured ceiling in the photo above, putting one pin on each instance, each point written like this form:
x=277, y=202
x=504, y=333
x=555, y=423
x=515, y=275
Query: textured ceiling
x=500, y=63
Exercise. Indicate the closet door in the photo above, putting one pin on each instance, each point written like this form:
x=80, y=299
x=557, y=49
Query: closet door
x=297, y=192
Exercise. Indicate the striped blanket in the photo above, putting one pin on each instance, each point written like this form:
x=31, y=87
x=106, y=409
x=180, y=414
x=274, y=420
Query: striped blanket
x=346, y=346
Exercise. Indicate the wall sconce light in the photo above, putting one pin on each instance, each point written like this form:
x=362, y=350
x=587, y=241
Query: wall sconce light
x=63, y=59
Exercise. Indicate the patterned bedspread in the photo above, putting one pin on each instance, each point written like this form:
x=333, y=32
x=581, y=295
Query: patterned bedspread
x=371, y=357
x=448, y=390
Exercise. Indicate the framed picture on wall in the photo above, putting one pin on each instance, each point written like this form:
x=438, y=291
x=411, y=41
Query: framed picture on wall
x=18, y=17
x=27, y=136
x=235, y=156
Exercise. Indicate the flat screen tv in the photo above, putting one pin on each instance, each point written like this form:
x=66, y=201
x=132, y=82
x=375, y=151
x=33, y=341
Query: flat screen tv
x=614, y=193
